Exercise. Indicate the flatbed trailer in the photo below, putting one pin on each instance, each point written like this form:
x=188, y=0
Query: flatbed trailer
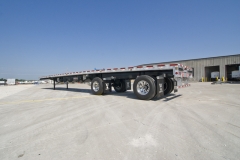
x=150, y=81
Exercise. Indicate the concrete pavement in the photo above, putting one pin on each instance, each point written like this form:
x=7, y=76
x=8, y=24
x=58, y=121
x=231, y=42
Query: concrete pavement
x=198, y=122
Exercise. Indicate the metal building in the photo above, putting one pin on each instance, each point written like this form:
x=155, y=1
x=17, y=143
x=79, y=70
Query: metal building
x=203, y=67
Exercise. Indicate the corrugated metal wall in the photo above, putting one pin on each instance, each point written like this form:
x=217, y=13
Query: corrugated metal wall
x=200, y=64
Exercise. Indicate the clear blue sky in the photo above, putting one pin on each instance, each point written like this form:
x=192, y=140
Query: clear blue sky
x=42, y=37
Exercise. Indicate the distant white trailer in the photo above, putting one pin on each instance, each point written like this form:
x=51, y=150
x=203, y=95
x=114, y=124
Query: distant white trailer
x=215, y=74
x=2, y=82
x=11, y=81
x=236, y=74
x=49, y=81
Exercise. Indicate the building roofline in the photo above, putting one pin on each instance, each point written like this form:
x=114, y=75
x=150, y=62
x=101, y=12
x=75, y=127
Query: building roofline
x=194, y=59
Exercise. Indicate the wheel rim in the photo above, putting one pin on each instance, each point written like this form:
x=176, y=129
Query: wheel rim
x=143, y=87
x=95, y=86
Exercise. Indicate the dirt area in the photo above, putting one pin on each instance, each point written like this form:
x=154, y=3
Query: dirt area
x=198, y=122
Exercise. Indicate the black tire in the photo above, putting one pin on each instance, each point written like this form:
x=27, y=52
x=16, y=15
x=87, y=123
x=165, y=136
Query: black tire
x=149, y=87
x=97, y=86
x=119, y=86
x=168, y=86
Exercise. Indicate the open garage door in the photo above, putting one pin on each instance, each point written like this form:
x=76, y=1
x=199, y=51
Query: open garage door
x=211, y=72
x=231, y=72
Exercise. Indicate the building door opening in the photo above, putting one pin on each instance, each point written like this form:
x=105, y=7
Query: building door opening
x=233, y=72
x=211, y=73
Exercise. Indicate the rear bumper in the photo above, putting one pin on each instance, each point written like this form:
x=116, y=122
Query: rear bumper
x=181, y=82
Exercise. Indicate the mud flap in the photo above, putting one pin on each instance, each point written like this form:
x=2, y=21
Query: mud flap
x=128, y=84
x=159, y=87
x=175, y=85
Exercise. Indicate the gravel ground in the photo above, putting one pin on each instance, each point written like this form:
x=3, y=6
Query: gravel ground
x=198, y=122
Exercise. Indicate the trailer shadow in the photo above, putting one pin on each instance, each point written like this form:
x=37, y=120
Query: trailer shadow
x=131, y=95
x=128, y=94
x=171, y=97
x=71, y=89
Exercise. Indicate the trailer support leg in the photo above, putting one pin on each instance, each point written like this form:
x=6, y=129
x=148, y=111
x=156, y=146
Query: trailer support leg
x=54, y=84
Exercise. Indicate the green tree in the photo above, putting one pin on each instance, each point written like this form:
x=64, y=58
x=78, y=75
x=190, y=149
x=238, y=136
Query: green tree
x=2, y=79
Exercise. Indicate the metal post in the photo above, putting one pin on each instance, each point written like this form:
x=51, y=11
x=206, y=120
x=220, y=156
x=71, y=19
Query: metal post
x=67, y=84
x=54, y=84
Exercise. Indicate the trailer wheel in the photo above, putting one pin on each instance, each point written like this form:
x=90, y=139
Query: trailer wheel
x=144, y=87
x=97, y=86
x=168, y=86
x=119, y=86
